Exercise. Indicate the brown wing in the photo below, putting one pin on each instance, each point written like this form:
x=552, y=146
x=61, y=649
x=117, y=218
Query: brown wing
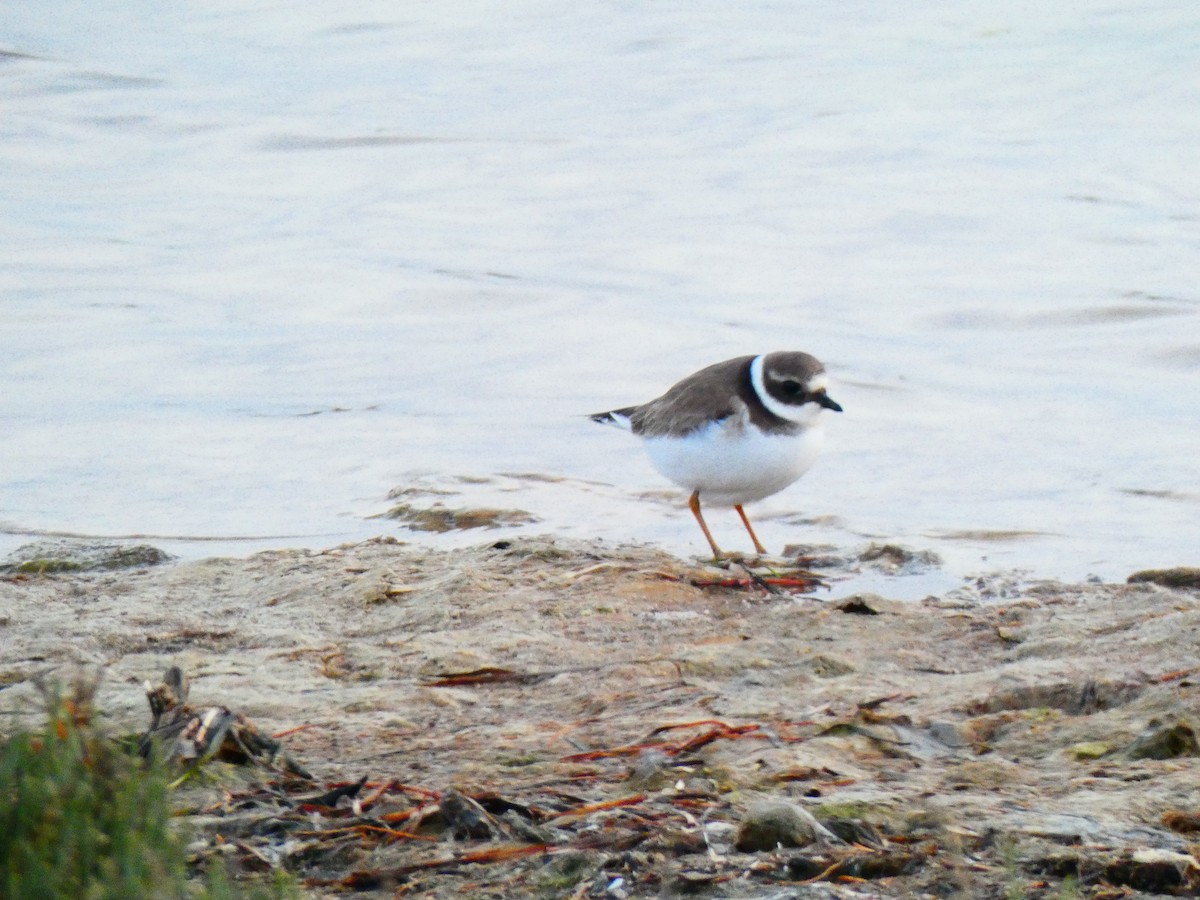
x=710, y=394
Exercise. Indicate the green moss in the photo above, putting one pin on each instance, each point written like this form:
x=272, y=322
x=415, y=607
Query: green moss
x=564, y=871
x=46, y=566
x=438, y=518
x=56, y=557
x=1087, y=750
x=519, y=761
x=851, y=809
x=1038, y=714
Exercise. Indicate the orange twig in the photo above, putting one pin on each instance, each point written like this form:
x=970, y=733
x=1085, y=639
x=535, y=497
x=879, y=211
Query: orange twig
x=720, y=731
x=580, y=811
x=396, y=833
x=486, y=675
x=373, y=797
x=289, y=731
x=627, y=750
x=709, y=736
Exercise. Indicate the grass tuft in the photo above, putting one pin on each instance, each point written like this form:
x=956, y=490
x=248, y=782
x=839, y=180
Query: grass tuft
x=80, y=817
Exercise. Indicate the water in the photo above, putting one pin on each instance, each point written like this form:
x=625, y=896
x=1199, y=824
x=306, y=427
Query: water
x=262, y=263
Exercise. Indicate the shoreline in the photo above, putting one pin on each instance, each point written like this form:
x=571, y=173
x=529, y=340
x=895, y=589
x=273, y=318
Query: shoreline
x=1040, y=735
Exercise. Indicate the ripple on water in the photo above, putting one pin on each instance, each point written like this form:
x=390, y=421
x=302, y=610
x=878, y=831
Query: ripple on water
x=1068, y=318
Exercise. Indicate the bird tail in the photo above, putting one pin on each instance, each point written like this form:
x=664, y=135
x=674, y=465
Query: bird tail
x=617, y=417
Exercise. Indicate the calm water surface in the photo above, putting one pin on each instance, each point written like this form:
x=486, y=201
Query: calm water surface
x=262, y=263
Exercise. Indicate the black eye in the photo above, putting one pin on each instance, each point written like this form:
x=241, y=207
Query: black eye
x=791, y=388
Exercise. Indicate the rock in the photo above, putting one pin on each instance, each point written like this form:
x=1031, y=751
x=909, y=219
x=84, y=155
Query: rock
x=1089, y=750
x=649, y=770
x=465, y=818
x=769, y=824
x=1181, y=821
x=50, y=557
x=1163, y=740
x=1156, y=871
x=861, y=605
x=896, y=560
x=1178, y=577
x=1072, y=697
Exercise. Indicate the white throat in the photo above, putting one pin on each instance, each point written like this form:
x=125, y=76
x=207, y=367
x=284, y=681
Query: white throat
x=805, y=414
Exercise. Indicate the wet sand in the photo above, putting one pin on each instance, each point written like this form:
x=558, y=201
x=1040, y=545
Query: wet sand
x=628, y=714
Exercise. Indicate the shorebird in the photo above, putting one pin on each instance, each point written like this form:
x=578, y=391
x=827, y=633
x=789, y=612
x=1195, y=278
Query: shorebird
x=736, y=431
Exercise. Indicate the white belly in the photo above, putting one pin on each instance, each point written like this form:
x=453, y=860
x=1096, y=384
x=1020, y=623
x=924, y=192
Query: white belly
x=730, y=464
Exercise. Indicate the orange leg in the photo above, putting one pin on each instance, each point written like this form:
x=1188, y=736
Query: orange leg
x=759, y=548
x=694, y=506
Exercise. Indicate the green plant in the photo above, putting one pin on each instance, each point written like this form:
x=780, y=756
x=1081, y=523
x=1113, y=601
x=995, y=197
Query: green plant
x=79, y=818
x=82, y=818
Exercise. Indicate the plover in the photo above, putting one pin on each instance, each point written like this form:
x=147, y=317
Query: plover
x=736, y=431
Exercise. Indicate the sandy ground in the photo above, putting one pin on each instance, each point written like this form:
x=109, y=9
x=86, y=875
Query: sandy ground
x=1008, y=739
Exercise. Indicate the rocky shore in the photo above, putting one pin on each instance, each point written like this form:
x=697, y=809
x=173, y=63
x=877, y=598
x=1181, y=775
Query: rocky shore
x=551, y=718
